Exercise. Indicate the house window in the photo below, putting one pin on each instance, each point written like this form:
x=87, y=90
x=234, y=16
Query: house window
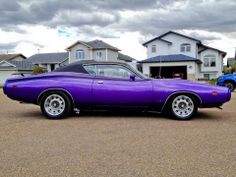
x=209, y=61
x=206, y=76
x=99, y=54
x=185, y=47
x=154, y=49
x=79, y=54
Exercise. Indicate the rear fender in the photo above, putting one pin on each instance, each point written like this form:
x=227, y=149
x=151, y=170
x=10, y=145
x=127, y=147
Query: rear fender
x=55, y=89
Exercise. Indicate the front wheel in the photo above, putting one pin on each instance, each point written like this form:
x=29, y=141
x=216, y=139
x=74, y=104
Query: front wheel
x=55, y=105
x=183, y=107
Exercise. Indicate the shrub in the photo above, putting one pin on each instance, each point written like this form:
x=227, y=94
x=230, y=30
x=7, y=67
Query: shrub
x=234, y=67
x=37, y=70
x=227, y=70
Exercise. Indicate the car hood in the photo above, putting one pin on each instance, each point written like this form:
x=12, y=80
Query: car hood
x=187, y=85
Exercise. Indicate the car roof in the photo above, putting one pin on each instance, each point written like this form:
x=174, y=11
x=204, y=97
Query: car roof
x=78, y=66
x=82, y=62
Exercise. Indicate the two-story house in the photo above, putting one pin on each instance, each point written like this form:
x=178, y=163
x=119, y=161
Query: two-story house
x=93, y=50
x=173, y=54
x=96, y=50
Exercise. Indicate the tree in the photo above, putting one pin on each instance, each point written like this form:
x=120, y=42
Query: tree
x=234, y=67
x=37, y=70
x=227, y=70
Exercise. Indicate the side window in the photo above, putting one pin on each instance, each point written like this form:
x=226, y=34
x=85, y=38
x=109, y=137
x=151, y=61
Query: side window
x=91, y=69
x=209, y=61
x=112, y=71
x=154, y=48
x=79, y=54
x=98, y=54
x=185, y=47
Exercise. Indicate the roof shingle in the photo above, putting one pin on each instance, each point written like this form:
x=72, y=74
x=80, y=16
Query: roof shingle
x=18, y=65
x=42, y=58
x=95, y=44
x=8, y=57
x=170, y=58
x=124, y=57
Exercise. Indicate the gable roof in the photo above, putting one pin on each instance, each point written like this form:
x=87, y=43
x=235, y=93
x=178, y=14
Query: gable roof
x=53, y=58
x=170, y=32
x=17, y=65
x=170, y=58
x=7, y=57
x=124, y=57
x=204, y=47
x=95, y=44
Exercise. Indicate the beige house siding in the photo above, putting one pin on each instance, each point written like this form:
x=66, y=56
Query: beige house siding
x=19, y=58
x=112, y=55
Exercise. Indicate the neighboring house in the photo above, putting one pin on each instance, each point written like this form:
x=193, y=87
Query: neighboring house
x=13, y=68
x=50, y=61
x=10, y=65
x=230, y=62
x=173, y=53
x=96, y=50
x=13, y=57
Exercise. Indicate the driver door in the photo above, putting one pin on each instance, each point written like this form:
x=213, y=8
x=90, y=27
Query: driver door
x=113, y=86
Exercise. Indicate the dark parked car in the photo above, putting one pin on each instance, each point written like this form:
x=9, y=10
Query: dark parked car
x=111, y=85
x=228, y=80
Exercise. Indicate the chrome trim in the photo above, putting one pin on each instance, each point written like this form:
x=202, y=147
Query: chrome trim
x=59, y=89
x=180, y=92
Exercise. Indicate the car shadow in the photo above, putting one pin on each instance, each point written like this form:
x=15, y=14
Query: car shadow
x=206, y=116
x=120, y=114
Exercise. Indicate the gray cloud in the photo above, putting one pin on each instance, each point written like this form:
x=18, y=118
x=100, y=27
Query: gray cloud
x=147, y=17
x=11, y=46
x=8, y=46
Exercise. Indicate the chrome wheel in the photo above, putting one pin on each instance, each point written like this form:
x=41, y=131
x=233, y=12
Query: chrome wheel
x=183, y=106
x=54, y=105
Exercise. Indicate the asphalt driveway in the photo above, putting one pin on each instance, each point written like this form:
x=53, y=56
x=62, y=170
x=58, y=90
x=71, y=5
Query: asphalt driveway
x=116, y=144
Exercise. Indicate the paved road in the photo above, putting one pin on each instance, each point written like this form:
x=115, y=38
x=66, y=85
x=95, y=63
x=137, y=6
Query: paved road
x=105, y=145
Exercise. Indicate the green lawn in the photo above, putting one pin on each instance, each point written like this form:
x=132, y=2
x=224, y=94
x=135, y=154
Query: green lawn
x=213, y=81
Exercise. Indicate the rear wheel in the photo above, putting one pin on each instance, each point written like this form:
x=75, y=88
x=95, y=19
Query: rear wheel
x=55, y=105
x=230, y=85
x=182, y=107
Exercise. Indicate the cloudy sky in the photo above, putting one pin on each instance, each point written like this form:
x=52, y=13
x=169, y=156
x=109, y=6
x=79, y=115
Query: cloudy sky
x=32, y=26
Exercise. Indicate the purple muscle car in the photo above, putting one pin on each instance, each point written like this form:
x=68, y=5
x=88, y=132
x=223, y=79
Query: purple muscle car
x=111, y=85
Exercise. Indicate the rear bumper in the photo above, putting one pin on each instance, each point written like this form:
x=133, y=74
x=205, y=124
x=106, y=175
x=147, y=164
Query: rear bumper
x=5, y=88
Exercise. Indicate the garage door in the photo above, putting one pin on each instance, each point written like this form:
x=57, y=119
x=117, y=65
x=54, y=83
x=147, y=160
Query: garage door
x=169, y=72
x=4, y=75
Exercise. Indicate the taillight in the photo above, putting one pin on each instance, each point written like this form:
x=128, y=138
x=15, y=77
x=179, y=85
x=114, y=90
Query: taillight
x=214, y=93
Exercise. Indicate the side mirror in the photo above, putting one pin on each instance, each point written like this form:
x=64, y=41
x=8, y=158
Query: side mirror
x=132, y=77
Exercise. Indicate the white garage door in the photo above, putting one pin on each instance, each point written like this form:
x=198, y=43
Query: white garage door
x=4, y=75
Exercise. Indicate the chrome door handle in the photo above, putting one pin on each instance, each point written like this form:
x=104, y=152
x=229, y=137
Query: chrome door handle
x=100, y=82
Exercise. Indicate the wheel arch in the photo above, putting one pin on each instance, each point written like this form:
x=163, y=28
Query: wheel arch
x=229, y=80
x=194, y=95
x=40, y=96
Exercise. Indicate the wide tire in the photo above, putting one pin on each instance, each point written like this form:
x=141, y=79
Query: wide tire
x=230, y=85
x=55, y=105
x=182, y=106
